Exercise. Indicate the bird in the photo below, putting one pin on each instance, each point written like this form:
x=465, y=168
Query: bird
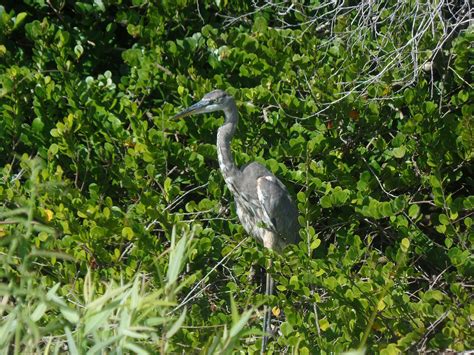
x=264, y=206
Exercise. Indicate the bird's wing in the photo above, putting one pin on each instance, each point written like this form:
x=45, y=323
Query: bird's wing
x=280, y=213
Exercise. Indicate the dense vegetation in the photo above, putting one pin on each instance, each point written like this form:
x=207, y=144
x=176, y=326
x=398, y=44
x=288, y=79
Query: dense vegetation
x=117, y=230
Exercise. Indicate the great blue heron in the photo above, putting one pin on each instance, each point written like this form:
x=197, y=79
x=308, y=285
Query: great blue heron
x=264, y=206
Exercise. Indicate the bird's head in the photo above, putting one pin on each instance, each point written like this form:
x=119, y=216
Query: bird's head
x=217, y=100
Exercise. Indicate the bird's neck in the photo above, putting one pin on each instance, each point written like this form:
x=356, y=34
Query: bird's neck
x=224, y=137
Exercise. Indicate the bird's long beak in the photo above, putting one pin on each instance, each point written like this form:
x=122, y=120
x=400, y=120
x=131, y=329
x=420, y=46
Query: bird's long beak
x=198, y=107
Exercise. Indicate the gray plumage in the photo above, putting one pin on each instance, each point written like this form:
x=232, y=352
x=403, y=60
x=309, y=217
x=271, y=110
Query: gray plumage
x=264, y=206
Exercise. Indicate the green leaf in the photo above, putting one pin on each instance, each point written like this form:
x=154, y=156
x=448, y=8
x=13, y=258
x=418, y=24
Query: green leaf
x=233, y=310
x=468, y=222
x=331, y=282
x=436, y=295
x=37, y=125
x=70, y=314
x=434, y=181
x=405, y=244
x=237, y=327
x=385, y=208
x=448, y=242
x=39, y=311
x=294, y=280
x=301, y=196
x=362, y=185
x=100, y=345
x=286, y=329
x=19, y=19
x=72, y=347
x=340, y=196
x=409, y=95
x=324, y=324
x=177, y=256
x=399, y=204
x=468, y=202
x=334, y=51
x=430, y=107
x=413, y=211
x=96, y=320
x=399, y=152
x=443, y=219
x=155, y=321
x=100, y=5
x=325, y=201
x=390, y=349
x=78, y=50
x=127, y=232
x=135, y=349
x=315, y=244
x=260, y=24
x=176, y=325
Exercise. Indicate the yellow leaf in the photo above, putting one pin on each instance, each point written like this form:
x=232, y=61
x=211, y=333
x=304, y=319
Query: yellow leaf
x=49, y=215
x=276, y=311
x=127, y=232
x=2, y=232
x=323, y=324
x=405, y=244
x=380, y=305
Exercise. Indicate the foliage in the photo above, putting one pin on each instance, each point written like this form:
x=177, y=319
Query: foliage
x=96, y=178
x=138, y=316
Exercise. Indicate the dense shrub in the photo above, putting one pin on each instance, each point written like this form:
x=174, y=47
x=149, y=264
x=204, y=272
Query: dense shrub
x=368, y=124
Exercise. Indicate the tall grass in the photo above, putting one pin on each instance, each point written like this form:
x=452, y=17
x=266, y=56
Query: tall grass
x=137, y=316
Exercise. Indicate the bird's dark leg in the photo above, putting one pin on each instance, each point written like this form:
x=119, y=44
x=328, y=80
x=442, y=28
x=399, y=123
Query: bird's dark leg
x=267, y=311
x=269, y=241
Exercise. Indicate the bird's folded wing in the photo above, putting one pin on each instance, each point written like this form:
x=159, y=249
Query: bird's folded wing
x=280, y=214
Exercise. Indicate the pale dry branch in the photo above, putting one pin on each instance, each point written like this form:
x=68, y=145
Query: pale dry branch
x=401, y=39
x=191, y=295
